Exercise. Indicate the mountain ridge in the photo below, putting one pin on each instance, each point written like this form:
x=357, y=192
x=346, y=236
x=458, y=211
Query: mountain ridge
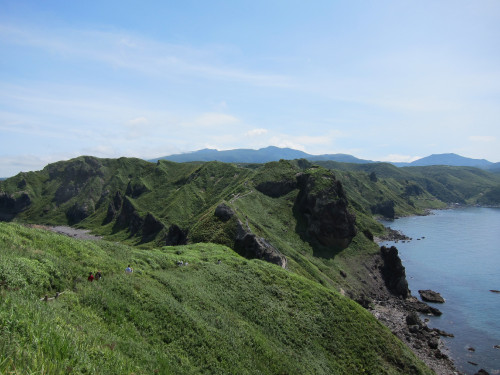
x=273, y=153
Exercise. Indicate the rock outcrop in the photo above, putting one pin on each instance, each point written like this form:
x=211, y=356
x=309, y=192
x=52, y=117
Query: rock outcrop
x=250, y=246
x=151, y=226
x=129, y=217
x=323, y=206
x=11, y=205
x=393, y=272
x=431, y=296
x=385, y=209
x=277, y=189
x=224, y=212
x=176, y=236
x=114, y=207
x=79, y=211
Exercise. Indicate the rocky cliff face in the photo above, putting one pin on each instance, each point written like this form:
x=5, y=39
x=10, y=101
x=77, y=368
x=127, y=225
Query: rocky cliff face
x=247, y=243
x=393, y=272
x=323, y=207
x=11, y=205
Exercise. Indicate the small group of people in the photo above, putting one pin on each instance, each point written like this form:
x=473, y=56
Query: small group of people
x=96, y=277
x=181, y=263
x=129, y=269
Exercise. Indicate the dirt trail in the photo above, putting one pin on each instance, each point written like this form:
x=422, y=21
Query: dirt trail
x=73, y=232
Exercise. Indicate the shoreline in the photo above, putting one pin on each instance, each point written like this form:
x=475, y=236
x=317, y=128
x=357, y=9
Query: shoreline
x=404, y=315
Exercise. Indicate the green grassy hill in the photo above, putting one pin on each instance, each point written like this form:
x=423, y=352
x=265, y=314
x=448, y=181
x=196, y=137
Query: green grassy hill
x=282, y=206
x=238, y=317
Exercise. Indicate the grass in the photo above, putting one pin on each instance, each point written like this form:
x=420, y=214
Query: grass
x=240, y=316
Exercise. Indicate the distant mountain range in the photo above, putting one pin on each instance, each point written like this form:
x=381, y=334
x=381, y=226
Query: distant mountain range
x=272, y=153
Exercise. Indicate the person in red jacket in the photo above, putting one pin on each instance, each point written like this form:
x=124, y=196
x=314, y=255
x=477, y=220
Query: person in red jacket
x=91, y=277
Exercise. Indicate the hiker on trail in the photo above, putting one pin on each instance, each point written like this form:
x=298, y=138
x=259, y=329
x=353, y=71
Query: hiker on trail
x=129, y=269
x=98, y=275
x=91, y=277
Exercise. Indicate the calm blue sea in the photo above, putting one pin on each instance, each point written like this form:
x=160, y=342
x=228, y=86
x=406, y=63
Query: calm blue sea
x=459, y=258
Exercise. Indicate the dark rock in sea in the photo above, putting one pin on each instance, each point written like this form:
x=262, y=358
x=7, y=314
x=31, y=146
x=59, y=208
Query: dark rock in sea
x=323, y=207
x=496, y=346
x=472, y=363
x=176, y=236
x=494, y=291
x=442, y=333
x=482, y=372
x=425, y=308
x=431, y=296
x=224, y=212
x=393, y=272
x=471, y=349
x=250, y=246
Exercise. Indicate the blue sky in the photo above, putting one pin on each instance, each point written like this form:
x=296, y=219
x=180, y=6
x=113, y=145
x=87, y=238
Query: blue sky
x=390, y=80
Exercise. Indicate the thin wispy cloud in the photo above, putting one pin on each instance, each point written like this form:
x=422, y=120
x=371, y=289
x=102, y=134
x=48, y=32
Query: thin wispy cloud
x=123, y=50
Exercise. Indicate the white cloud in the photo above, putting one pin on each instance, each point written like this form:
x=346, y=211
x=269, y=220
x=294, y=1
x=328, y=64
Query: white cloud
x=256, y=132
x=138, y=121
x=212, y=120
x=482, y=138
x=125, y=50
x=396, y=158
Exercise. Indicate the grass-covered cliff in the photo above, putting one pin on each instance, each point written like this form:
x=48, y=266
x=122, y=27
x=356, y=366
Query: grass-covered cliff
x=314, y=225
x=316, y=221
x=237, y=317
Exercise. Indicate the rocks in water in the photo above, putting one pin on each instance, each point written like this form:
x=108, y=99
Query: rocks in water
x=393, y=272
x=471, y=349
x=482, y=372
x=494, y=291
x=425, y=308
x=496, y=346
x=431, y=296
x=442, y=333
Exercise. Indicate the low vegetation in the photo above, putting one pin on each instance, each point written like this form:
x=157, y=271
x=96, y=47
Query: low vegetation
x=238, y=316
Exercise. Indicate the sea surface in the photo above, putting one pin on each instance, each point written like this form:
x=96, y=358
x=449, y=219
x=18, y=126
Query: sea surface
x=456, y=252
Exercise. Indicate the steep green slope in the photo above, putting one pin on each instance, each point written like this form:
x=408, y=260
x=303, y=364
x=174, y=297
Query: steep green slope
x=415, y=188
x=239, y=316
x=292, y=213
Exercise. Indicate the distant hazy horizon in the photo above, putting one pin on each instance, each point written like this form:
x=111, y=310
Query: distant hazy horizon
x=380, y=80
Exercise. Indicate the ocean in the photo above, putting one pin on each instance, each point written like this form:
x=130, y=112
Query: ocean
x=456, y=252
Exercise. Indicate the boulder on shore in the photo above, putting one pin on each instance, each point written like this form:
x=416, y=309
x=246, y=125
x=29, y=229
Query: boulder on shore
x=431, y=296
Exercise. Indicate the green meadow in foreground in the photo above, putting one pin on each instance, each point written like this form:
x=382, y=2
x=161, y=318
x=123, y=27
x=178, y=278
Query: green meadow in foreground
x=237, y=317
